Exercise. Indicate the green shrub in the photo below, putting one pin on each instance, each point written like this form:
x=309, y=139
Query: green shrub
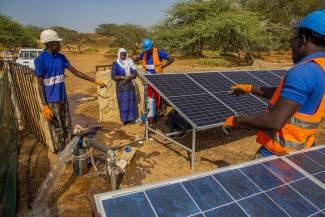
x=112, y=51
x=213, y=62
x=91, y=50
x=210, y=53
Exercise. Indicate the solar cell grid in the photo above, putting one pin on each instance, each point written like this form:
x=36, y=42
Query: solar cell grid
x=283, y=170
x=308, y=189
x=321, y=150
x=312, y=162
x=306, y=163
x=280, y=73
x=212, y=82
x=291, y=202
x=243, y=78
x=267, y=77
x=235, y=192
x=203, y=109
x=195, y=93
x=247, y=103
x=175, y=85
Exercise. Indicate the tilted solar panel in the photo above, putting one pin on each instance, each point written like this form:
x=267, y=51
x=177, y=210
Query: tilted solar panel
x=276, y=186
x=243, y=77
x=175, y=85
x=267, y=77
x=212, y=82
x=202, y=98
x=280, y=73
x=202, y=110
x=247, y=103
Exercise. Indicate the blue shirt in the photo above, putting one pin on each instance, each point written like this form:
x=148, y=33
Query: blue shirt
x=51, y=68
x=162, y=55
x=305, y=84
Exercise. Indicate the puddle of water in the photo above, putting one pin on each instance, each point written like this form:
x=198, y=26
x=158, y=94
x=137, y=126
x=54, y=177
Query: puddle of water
x=80, y=119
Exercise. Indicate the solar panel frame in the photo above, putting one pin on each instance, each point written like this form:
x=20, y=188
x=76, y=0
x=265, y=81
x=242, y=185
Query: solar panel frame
x=291, y=185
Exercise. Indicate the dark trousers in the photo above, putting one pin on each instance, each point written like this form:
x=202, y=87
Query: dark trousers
x=60, y=125
x=176, y=122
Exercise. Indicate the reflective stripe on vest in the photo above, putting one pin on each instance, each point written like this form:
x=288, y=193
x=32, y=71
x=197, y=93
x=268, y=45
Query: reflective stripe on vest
x=150, y=67
x=298, y=122
x=299, y=132
x=54, y=80
x=155, y=59
x=303, y=124
x=277, y=138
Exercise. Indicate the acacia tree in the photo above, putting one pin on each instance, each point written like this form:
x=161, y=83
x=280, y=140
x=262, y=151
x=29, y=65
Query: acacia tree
x=285, y=14
x=193, y=25
x=126, y=35
x=13, y=35
x=72, y=38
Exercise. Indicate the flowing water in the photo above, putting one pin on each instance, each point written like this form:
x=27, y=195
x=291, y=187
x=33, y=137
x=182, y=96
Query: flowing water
x=41, y=206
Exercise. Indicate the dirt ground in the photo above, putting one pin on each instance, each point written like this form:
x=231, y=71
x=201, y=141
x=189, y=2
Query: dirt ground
x=155, y=160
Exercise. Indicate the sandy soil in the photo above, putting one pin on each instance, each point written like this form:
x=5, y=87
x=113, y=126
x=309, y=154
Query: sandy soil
x=155, y=160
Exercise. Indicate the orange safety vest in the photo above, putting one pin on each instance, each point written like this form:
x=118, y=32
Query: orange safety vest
x=156, y=61
x=299, y=132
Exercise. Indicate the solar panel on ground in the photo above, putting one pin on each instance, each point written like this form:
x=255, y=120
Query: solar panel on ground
x=270, y=187
x=267, y=77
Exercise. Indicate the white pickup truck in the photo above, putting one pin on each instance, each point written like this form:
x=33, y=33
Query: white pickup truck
x=27, y=56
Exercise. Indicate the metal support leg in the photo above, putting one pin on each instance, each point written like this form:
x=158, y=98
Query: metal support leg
x=145, y=111
x=193, y=150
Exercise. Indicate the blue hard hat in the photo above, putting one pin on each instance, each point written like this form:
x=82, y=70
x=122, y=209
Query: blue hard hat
x=146, y=44
x=314, y=21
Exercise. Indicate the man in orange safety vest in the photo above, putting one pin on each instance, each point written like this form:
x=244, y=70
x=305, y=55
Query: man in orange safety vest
x=297, y=105
x=152, y=62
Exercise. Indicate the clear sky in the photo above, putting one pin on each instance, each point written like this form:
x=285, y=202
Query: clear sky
x=84, y=15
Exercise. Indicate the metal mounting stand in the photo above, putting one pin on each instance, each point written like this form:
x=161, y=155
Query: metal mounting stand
x=166, y=136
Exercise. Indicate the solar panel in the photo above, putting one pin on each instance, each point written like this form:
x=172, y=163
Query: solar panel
x=280, y=73
x=175, y=84
x=203, y=99
x=267, y=77
x=243, y=78
x=247, y=103
x=313, y=162
x=212, y=82
x=202, y=110
x=276, y=186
